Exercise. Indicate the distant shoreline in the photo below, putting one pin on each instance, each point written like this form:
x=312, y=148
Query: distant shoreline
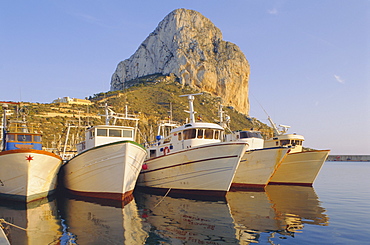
x=348, y=158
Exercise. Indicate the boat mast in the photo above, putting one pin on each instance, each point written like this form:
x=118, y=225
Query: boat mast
x=273, y=125
x=191, y=106
x=3, y=130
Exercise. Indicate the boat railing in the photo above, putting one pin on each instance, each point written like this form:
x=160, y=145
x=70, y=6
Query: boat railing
x=21, y=127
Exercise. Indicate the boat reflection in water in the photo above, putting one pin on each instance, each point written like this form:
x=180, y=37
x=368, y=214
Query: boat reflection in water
x=180, y=220
x=39, y=218
x=282, y=210
x=299, y=203
x=91, y=222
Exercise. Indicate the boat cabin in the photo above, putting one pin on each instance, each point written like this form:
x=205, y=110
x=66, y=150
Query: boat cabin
x=185, y=137
x=253, y=138
x=105, y=134
x=14, y=141
x=294, y=141
x=189, y=135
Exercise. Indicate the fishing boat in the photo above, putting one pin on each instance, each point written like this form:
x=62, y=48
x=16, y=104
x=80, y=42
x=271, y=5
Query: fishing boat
x=299, y=167
x=108, y=161
x=191, y=160
x=27, y=172
x=258, y=164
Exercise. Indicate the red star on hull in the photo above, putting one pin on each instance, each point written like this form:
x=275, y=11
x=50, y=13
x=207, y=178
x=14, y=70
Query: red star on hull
x=29, y=158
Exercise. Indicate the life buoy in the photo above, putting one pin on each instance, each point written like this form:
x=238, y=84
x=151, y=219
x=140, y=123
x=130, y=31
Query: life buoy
x=166, y=150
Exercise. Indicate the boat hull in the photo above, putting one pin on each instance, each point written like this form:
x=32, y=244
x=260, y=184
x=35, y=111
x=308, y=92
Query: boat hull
x=205, y=170
x=300, y=168
x=108, y=171
x=257, y=166
x=28, y=174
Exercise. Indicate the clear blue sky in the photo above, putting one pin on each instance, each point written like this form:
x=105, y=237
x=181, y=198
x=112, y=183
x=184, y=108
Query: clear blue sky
x=310, y=60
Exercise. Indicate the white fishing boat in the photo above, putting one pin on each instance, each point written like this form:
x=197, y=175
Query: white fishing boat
x=192, y=159
x=258, y=164
x=27, y=172
x=108, y=161
x=299, y=167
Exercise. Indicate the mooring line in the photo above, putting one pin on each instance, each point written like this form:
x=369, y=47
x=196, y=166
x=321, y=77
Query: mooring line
x=6, y=222
x=163, y=198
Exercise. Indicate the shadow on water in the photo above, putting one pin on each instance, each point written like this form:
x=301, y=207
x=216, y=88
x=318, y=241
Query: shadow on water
x=242, y=217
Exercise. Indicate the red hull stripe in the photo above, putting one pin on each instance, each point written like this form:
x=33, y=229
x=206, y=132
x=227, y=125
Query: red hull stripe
x=104, y=195
x=195, y=194
x=290, y=183
x=246, y=187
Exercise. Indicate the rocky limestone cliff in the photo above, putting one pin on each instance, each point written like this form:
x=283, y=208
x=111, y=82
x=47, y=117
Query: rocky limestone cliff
x=190, y=46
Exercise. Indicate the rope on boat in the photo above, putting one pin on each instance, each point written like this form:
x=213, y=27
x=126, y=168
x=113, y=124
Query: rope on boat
x=162, y=198
x=16, y=226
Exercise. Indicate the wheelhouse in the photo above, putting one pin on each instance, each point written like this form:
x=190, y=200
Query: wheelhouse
x=287, y=140
x=23, y=141
x=253, y=138
x=105, y=134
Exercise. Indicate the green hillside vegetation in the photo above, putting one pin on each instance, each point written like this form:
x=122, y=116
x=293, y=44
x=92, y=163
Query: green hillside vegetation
x=150, y=98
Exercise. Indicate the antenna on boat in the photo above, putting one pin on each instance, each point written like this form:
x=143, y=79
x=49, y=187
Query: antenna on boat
x=221, y=114
x=191, y=105
x=273, y=125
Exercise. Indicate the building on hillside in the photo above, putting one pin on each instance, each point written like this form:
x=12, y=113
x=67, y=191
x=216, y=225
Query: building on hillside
x=69, y=100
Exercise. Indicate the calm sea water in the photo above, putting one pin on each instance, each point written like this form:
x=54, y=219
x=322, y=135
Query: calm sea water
x=335, y=211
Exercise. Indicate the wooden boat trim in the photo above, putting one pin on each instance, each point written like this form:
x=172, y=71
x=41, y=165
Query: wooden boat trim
x=30, y=151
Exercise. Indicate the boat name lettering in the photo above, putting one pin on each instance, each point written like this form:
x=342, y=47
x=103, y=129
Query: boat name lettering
x=1, y=183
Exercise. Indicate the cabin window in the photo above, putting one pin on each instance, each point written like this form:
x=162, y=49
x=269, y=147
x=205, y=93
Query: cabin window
x=101, y=132
x=153, y=153
x=284, y=142
x=11, y=137
x=37, y=138
x=208, y=134
x=127, y=133
x=255, y=135
x=115, y=133
x=200, y=133
x=217, y=134
x=245, y=134
x=189, y=134
x=179, y=136
x=92, y=134
x=24, y=138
